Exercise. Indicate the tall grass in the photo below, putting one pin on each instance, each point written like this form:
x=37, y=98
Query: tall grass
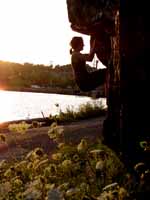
x=84, y=111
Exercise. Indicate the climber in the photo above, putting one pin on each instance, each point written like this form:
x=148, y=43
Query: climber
x=85, y=80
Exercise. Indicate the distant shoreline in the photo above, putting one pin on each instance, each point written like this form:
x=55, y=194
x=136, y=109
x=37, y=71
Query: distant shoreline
x=57, y=90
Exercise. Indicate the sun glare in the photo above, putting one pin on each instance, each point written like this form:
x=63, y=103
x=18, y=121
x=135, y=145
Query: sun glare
x=6, y=106
x=36, y=31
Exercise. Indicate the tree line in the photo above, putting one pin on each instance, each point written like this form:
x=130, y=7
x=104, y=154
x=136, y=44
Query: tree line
x=15, y=75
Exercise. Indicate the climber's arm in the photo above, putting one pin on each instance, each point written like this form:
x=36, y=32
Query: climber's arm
x=90, y=56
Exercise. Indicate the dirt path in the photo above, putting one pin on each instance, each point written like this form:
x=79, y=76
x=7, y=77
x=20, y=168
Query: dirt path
x=18, y=145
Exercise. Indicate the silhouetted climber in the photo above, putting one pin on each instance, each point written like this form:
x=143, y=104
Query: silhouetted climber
x=85, y=80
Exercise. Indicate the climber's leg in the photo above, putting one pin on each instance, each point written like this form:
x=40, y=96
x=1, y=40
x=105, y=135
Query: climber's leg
x=92, y=80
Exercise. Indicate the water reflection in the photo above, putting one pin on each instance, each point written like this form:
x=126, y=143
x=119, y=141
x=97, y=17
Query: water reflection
x=6, y=106
x=26, y=105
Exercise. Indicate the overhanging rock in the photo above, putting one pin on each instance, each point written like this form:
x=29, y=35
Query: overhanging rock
x=97, y=19
x=92, y=16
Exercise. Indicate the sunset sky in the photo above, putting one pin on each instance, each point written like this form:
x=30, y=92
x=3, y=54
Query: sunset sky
x=35, y=31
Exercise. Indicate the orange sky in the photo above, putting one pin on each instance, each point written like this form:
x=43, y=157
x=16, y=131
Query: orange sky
x=35, y=31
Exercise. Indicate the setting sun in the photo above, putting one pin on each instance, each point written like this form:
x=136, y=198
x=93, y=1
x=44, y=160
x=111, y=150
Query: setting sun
x=35, y=31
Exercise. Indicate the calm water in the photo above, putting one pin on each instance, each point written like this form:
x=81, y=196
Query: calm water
x=27, y=105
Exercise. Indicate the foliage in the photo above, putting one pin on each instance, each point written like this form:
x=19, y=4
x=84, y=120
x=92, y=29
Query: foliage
x=15, y=75
x=84, y=111
x=84, y=171
x=19, y=127
x=70, y=172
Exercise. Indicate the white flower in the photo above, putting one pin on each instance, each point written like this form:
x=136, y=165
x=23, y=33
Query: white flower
x=110, y=186
x=66, y=164
x=72, y=191
x=3, y=164
x=122, y=193
x=61, y=145
x=100, y=165
x=82, y=146
x=96, y=151
x=57, y=156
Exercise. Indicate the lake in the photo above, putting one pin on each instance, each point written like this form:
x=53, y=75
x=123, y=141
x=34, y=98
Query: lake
x=28, y=105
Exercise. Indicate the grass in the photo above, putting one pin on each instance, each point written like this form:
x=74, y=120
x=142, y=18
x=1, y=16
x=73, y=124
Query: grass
x=85, y=111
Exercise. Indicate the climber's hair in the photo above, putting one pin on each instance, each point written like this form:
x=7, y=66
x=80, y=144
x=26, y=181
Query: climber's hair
x=74, y=43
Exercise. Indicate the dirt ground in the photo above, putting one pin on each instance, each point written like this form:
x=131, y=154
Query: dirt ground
x=18, y=145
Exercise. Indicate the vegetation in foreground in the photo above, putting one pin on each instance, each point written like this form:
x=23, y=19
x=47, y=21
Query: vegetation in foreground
x=85, y=111
x=85, y=171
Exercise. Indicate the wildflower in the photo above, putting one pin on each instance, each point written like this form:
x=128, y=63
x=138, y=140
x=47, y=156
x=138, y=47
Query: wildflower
x=66, y=164
x=84, y=187
x=100, y=165
x=140, y=168
x=61, y=145
x=17, y=183
x=145, y=145
x=29, y=156
x=107, y=195
x=72, y=192
x=98, y=153
x=53, y=125
x=50, y=170
x=82, y=146
x=21, y=165
x=63, y=186
x=39, y=151
x=122, y=193
x=76, y=158
x=110, y=186
x=9, y=173
x=19, y=128
x=3, y=164
x=19, y=196
x=49, y=186
x=30, y=166
x=41, y=164
x=55, y=132
x=57, y=156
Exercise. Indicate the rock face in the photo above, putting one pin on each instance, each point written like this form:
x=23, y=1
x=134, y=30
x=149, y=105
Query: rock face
x=84, y=13
x=121, y=29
